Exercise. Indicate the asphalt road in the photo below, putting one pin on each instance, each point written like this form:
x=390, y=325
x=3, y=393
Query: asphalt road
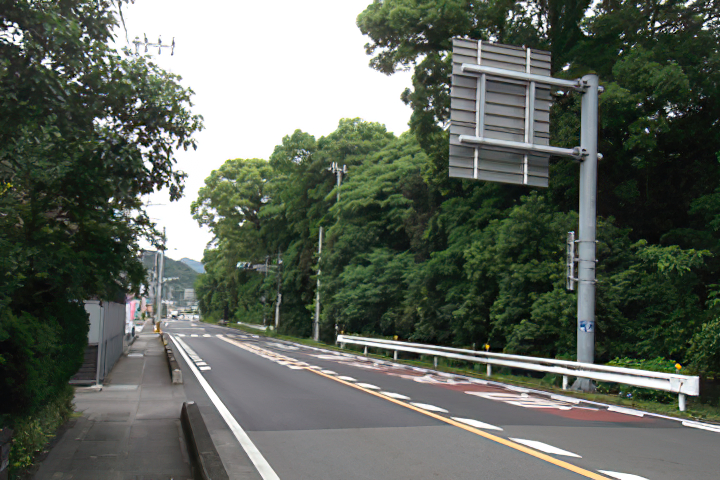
x=315, y=414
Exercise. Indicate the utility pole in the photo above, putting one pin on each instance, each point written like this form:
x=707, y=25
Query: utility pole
x=263, y=298
x=338, y=171
x=147, y=44
x=279, y=295
x=316, y=324
x=158, y=295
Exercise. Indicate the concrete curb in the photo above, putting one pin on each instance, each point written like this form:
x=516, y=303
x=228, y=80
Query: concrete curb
x=205, y=458
x=175, y=372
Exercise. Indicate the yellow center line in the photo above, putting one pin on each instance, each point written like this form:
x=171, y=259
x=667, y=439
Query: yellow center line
x=494, y=438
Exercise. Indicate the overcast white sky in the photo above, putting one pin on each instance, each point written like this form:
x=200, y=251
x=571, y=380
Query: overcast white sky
x=260, y=70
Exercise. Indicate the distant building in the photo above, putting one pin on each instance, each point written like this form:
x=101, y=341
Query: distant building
x=189, y=295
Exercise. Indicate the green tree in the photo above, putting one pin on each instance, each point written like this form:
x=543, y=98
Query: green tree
x=85, y=132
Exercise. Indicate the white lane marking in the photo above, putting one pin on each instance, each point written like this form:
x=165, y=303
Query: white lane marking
x=292, y=367
x=626, y=411
x=544, y=447
x=207, y=335
x=204, y=368
x=431, y=408
x=368, y=385
x=166, y=324
x=477, y=424
x=314, y=367
x=194, y=335
x=622, y=476
x=347, y=379
x=395, y=395
x=478, y=381
x=328, y=372
x=180, y=334
x=201, y=364
x=702, y=426
x=263, y=467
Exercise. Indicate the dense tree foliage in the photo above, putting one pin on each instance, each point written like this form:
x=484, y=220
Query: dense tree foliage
x=411, y=252
x=85, y=131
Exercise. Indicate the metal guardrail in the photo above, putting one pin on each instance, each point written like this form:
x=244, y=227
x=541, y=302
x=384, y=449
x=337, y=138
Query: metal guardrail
x=681, y=384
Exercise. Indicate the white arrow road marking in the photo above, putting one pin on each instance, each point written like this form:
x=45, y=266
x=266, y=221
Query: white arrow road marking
x=477, y=424
x=544, y=447
x=395, y=395
x=347, y=379
x=368, y=385
x=622, y=476
x=263, y=467
x=430, y=408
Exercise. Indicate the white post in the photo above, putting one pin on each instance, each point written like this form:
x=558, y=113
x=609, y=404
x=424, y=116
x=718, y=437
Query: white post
x=158, y=314
x=365, y=352
x=395, y=355
x=565, y=382
x=489, y=369
x=681, y=402
x=435, y=361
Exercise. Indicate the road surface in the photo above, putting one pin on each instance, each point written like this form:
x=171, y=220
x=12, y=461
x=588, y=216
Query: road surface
x=307, y=413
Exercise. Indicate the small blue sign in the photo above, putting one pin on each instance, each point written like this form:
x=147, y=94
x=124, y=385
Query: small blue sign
x=587, y=326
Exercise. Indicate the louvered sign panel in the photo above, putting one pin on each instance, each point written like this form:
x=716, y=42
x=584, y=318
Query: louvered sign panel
x=499, y=108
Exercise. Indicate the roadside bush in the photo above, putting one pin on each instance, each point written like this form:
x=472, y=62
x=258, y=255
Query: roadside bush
x=32, y=433
x=38, y=356
x=626, y=391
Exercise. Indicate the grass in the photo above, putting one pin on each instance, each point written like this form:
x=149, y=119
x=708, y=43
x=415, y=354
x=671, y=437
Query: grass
x=695, y=409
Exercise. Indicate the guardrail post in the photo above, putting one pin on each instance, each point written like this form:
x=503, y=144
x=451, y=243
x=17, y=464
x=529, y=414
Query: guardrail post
x=565, y=382
x=489, y=369
x=435, y=361
x=365, y=351
x=395, y=355
x=681, y=402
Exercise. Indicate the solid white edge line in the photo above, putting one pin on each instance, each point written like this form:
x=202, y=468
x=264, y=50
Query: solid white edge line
x=626, y=411
x=263, y=467
x=702, y=426
x=622, y=476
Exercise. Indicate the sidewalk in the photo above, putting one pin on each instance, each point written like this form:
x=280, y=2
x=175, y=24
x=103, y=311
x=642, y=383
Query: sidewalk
x=128, y=431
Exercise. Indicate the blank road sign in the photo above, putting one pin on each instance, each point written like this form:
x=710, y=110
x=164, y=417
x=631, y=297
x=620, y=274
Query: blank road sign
x=499, y=108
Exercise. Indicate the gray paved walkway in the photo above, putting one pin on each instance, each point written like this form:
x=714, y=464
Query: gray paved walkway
x=128, y=431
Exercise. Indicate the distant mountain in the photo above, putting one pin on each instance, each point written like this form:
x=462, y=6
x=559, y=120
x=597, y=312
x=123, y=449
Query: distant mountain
x=194, y=264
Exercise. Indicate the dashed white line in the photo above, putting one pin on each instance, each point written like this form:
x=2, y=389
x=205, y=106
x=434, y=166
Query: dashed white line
x=207, y=335
x=204, y=368
x=194, y=335
x=622, y=476
x=544, y=447
x=368, y=385
x=180, y=334
x=396, y=396
x=430, y=408
x=328, y=372
x=347, y=379
x=477, y=424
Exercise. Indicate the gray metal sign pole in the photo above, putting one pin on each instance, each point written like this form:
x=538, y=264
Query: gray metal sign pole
x=588, y=224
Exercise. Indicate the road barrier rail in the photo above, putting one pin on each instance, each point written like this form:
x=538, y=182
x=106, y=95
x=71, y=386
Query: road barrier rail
x=670, y=382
